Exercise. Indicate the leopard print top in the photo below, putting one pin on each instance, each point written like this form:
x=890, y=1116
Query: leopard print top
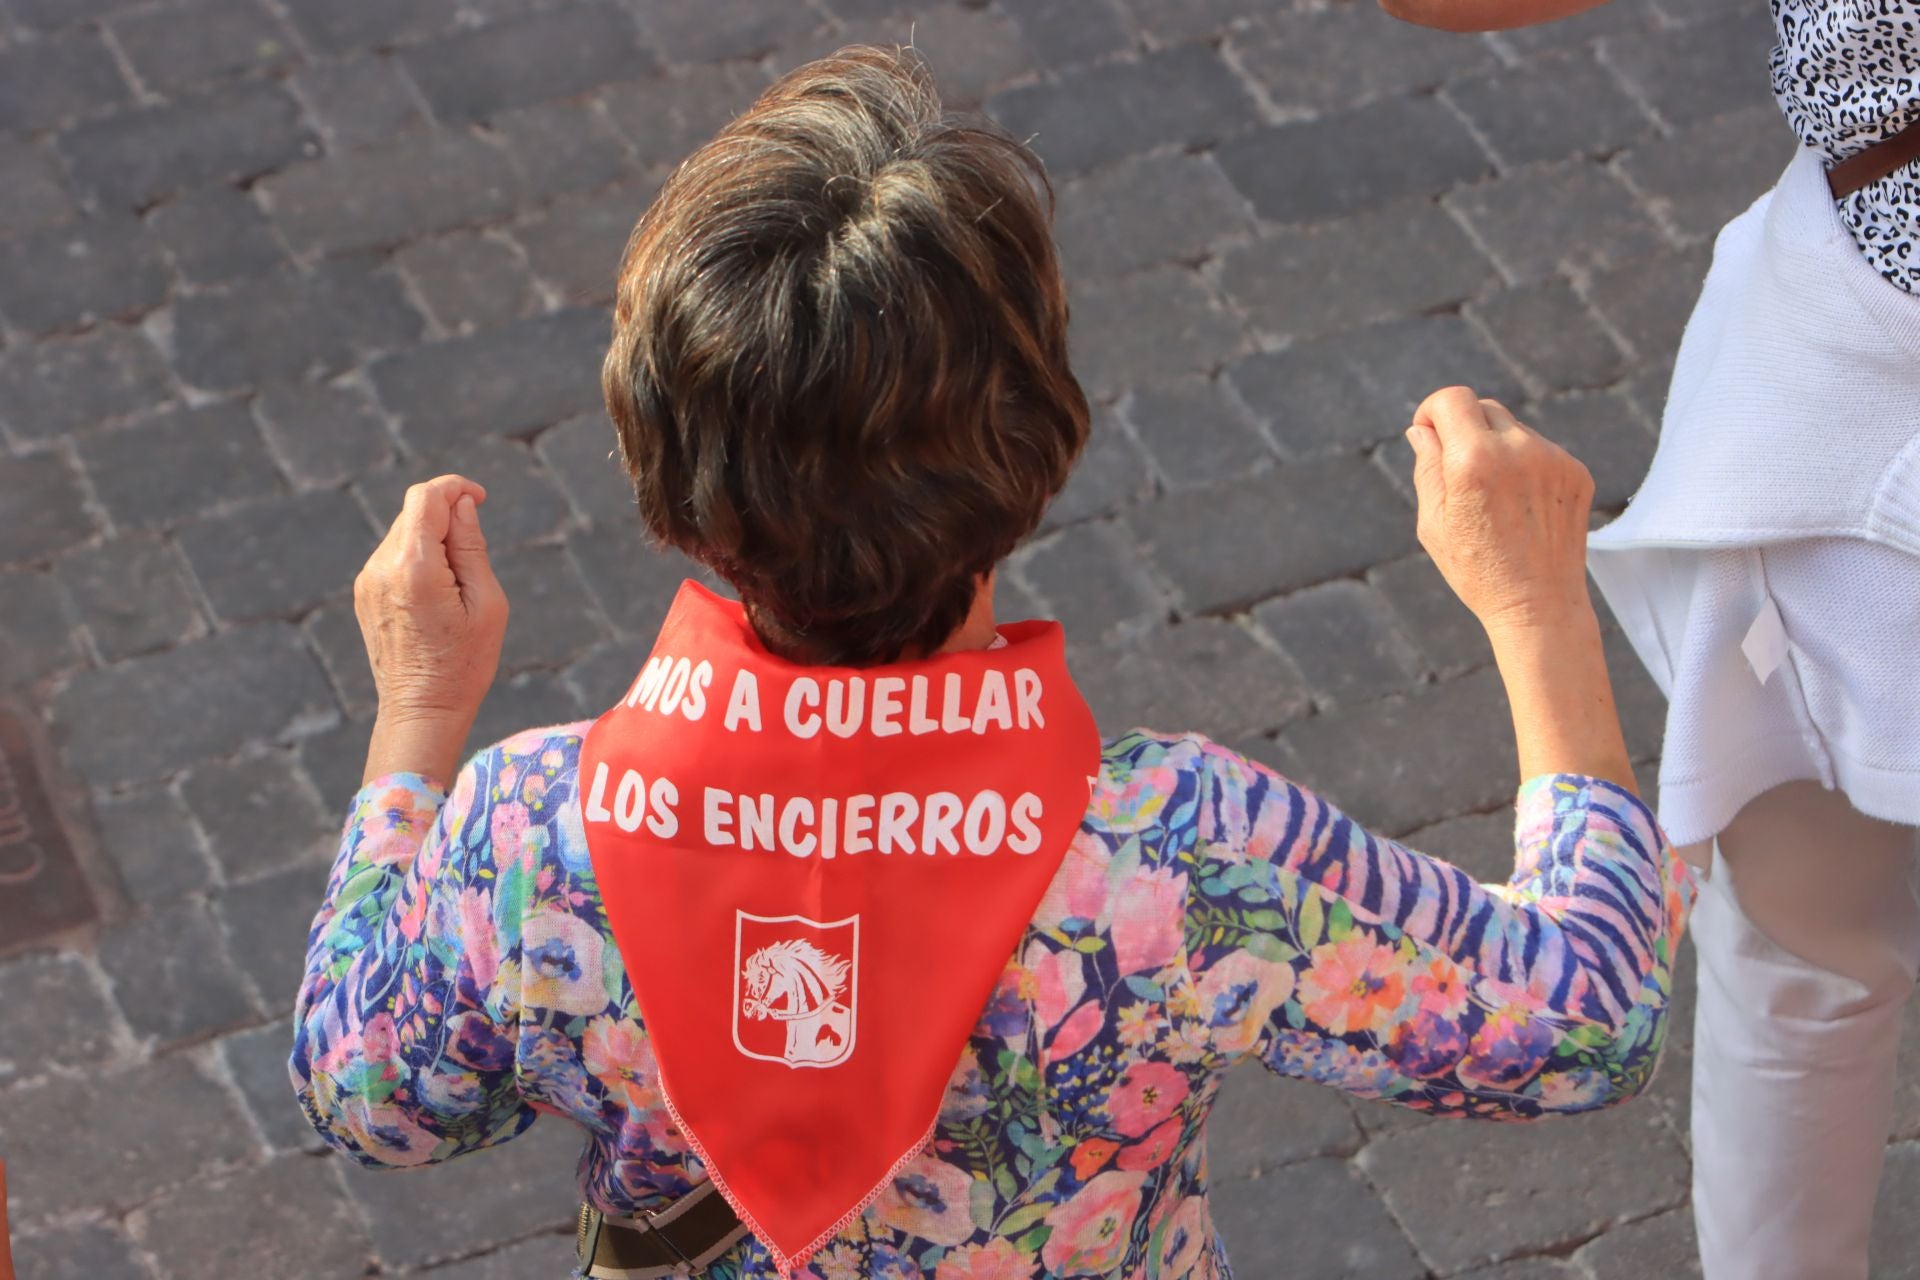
x=1845, y=72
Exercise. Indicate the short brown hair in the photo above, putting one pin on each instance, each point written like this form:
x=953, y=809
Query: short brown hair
x=839, y=366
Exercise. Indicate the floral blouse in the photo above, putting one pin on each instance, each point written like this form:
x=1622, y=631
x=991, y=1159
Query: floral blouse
x=461, y=979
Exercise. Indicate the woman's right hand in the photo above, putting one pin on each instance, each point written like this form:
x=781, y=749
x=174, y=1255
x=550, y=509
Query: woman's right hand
x=1503, y=512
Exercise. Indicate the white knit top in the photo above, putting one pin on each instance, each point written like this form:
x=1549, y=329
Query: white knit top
x=1787, y=477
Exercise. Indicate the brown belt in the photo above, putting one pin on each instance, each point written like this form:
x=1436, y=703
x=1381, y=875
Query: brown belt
x=682, y=1239
x=1876, y=162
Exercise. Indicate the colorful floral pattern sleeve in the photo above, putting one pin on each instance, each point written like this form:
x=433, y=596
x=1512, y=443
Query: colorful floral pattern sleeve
x=1344, y=958
x=461, y=978
x=402, y=1027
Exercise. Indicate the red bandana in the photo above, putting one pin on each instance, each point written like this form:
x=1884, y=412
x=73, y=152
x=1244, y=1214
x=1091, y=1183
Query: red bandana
x=814, y=876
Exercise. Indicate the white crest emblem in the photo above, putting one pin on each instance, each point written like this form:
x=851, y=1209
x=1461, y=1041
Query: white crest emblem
x=796, y=988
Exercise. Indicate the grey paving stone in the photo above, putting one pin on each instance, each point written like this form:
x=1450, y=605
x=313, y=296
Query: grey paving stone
x=1065, y=33
x=1600, y=429
x=469, y=280
x=1550, y=107
x=541, y=1256
x=169, y=1122
x=214, y=234
x=971, y=48
x=1906, y=1093
x=106, y=270
x=528, y=700
x=666, y=116
x=418, y=184
x=559, y=147
x=1481, y=844
x=177, y=463
x=1172, y=21
x=576, y=246
x=1316, y=60
x=1445, y=631
x=152, y=840
x=257, y=1061
x=335, y=758
x=1095, y=115
x=1366, y=1241
x=284, y=325
x=1698, y=70
x=1357, y=388
x=1550, y=331
x=70, y=1025
x=744, y=29
x=1013, y=601
x=1558, y=1181
x=1345, y=639
x=324, y=434
x=580, y=454
x=1647, y=302
x=603, y=677
x=140, y=719
x=1575, y=213
x=32, y=193
x=131, y=595
x=207, y=39
x=1195, y=432
x=1617, y=17
x=340, y=26
x=1705, y=173
x=229, y=134
x=507, y=381
x=42, y=509
x=1450, y=751
x=1524, y=1269
x=266, y=923
x=50, y=80
x=523, y=503
x=1352, y=160
x=92, y=1251
x=1262, y=1122
x=1144, y=212
x=1205, y=674
x=280, y=557
x=1893, y=1244
x=260, y=814
x=1111, y=475
x=36, y=628
x=552, y=54
x=51, y=388
x=490, y=1197
x=554, y=618
x=1091, y=578
x=1148, y=327
x=172, y=975
x=287, y=1217
x=1234, y=544
x=360, y=101
x=1304, y=281
x=335, y=635
x=1659, y=1246
x=50, y=15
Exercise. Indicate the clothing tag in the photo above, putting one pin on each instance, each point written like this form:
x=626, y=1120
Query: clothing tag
x=1766, y=642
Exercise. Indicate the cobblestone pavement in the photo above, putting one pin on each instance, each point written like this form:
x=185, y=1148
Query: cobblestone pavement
x=265, y=262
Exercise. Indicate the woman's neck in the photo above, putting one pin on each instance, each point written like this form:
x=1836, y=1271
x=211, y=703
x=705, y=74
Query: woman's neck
x=977, y=632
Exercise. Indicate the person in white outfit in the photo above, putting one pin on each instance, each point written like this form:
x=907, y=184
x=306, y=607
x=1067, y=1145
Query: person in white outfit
x=1768, y=574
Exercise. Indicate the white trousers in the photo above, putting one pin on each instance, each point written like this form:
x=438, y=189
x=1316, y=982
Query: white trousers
x=1808, y=937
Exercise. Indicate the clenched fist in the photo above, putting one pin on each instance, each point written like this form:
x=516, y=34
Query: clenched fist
x=1503, y=511
x=433, y=617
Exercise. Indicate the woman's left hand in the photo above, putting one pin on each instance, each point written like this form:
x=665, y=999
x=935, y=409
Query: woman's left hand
x=433, y=617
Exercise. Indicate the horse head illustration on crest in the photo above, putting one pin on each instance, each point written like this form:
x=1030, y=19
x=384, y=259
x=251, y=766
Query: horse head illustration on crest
x=796, y=987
